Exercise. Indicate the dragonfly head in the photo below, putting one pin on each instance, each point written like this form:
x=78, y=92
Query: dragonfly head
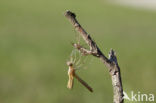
x=69, y=63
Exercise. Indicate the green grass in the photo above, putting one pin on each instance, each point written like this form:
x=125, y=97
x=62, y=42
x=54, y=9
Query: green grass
x=35, y=44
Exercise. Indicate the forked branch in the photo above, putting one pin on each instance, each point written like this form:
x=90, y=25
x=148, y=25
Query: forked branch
x=111, y=62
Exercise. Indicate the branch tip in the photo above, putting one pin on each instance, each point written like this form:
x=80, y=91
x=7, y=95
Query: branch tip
x=112, y=56
x=69, y=14
x=111, y=53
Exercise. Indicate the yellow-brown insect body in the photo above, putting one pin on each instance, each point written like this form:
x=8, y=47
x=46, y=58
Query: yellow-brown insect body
x=71, y=73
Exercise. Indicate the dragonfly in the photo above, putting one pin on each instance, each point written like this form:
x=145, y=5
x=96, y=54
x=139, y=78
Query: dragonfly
x=72, y=74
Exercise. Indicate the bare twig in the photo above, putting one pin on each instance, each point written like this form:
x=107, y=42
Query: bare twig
x=111, y=62
x=83, y=50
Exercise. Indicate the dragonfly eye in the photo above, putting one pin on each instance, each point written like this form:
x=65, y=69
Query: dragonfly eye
x=69, y=63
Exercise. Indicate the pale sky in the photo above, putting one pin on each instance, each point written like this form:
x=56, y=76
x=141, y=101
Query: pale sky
x=146, y=4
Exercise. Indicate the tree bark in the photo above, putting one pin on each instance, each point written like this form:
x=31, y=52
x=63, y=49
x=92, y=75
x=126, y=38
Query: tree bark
x=111, y=62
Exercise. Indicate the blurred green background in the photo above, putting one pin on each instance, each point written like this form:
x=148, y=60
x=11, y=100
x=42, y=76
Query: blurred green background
x=35, y=43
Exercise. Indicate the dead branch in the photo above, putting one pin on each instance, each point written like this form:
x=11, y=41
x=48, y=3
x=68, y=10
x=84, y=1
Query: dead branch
x=111, y=62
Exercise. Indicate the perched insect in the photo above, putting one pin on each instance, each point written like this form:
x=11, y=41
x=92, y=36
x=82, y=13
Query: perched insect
x=72, y=74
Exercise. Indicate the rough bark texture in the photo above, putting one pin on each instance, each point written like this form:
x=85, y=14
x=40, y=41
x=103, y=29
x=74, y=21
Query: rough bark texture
x=111, y=62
